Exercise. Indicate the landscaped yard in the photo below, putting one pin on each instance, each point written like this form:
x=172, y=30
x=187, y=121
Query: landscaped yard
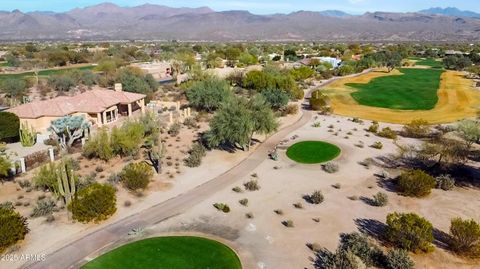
x=179, y=252
x=414, y=89
x=312, y=152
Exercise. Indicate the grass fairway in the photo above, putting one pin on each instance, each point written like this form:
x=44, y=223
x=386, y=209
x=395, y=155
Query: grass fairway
x=46, y=72
x=414, y=89
x=430, y=62
x=457, y=99
x=312, y=152
x=172, y=252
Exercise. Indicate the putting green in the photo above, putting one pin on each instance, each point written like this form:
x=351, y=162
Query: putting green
x=312, y=152
x=414, y=89
x=179, y=252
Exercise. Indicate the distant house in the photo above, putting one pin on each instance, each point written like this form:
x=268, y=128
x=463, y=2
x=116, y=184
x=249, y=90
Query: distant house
x=159, y=70
x=98, y=106
x=333, y=61
x=454, y=52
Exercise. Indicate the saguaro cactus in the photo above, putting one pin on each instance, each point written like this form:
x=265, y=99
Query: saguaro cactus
x=66, y=182
x=28, y=135
x=156, y=154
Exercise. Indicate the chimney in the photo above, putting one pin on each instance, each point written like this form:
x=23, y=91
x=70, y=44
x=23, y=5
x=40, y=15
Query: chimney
x=118, y=87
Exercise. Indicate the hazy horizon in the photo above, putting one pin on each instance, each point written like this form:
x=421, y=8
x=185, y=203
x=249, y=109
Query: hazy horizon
x=264, y=7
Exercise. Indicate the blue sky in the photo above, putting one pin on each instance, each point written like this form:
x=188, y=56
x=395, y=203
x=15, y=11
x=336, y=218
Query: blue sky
x=255, y=6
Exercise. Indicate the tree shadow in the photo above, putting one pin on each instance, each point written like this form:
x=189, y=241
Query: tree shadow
x=441, y=239
x=387, y=184
x=367, y=200
x=371, y=227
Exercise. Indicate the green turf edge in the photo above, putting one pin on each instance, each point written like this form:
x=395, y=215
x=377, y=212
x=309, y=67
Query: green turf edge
x=297, y=151
x=123, y=261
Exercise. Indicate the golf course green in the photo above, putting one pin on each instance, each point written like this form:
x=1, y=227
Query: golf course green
x=415, y=89
x=172, y=252
x=312, y=152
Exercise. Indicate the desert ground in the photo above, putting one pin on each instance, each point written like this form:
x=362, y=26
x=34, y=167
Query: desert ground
x=265, y=242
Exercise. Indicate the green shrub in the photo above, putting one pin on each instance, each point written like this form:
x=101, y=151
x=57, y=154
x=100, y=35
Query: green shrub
x=387, y=133
x=380, y=199
x=222, y=207
x=377, y=145
x=136, y=176
x=465, y=237
x=319, y=101
x=252, y=185
x=127, y=139
x=409, y=231
x=416, y=128
x=415, y=183
x=44, y=207
x=96, y=202
x=373, y=128
x=9, y=127
x=13, y=227
x=244, y=202
x=445, y=182
x=99, y=146
x=398, y=259
x=315, y=198
x=196, y=153
x=359, y=245
x=174, y=129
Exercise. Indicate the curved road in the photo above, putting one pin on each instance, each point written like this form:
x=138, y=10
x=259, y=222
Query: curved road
x=73, y=253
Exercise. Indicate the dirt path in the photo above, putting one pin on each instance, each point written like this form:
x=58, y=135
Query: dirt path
x=70, y=255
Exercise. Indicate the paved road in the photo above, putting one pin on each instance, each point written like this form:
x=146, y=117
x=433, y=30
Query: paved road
x=71, y=254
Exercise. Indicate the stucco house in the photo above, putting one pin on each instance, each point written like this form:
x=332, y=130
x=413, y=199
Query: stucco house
x=98, y=106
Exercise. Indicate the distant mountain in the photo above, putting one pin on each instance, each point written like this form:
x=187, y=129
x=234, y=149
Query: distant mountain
x=451, y=11
x=334, y=13
x=108, y=21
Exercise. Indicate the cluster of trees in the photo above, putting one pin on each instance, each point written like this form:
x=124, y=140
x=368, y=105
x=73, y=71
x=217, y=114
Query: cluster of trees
x=237, y=120
x=272, y=78
x=9, y=127
x=457, y=62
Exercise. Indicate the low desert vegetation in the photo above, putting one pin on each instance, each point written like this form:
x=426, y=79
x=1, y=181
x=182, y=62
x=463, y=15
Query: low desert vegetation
x=13, y=227
x=410, y=232
x=136, y=176
x=415, y=183
x=96, y=203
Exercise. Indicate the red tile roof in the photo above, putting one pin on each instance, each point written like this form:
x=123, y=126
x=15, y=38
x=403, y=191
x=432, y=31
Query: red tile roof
x=93, y=101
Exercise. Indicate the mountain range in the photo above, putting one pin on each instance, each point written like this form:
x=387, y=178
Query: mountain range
x=451, y=11
x=108, y=21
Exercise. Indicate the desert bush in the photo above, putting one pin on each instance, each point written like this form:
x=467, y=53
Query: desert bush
x=251, y=185
x=99, y=146
x=319, y=101
x=409, y=231
x=190, y=122
x=222, y=207
x=298, y=205
x=465, y=237
x=341, y=259
x=330, y=167
x=377, y=145
x=416, y=128
x=13, y=228
x=359, y=245
x=249, y=215
x=96, y=202
x=126, y=140
x=445, y=182
x=373, y=128
x=315, y=198
x=380, y=199
x=288, y=223
x=99, y=169
x=44, y=207
x=398, y=259
x=291, y=109
x=387, y=133
x=24, y=184
x=45, y=178
x=237, y=189
x=174, y=129
x=415, y=183
x=196, y=153
x=136, y=176
x=9, y=127
x=244, y=202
